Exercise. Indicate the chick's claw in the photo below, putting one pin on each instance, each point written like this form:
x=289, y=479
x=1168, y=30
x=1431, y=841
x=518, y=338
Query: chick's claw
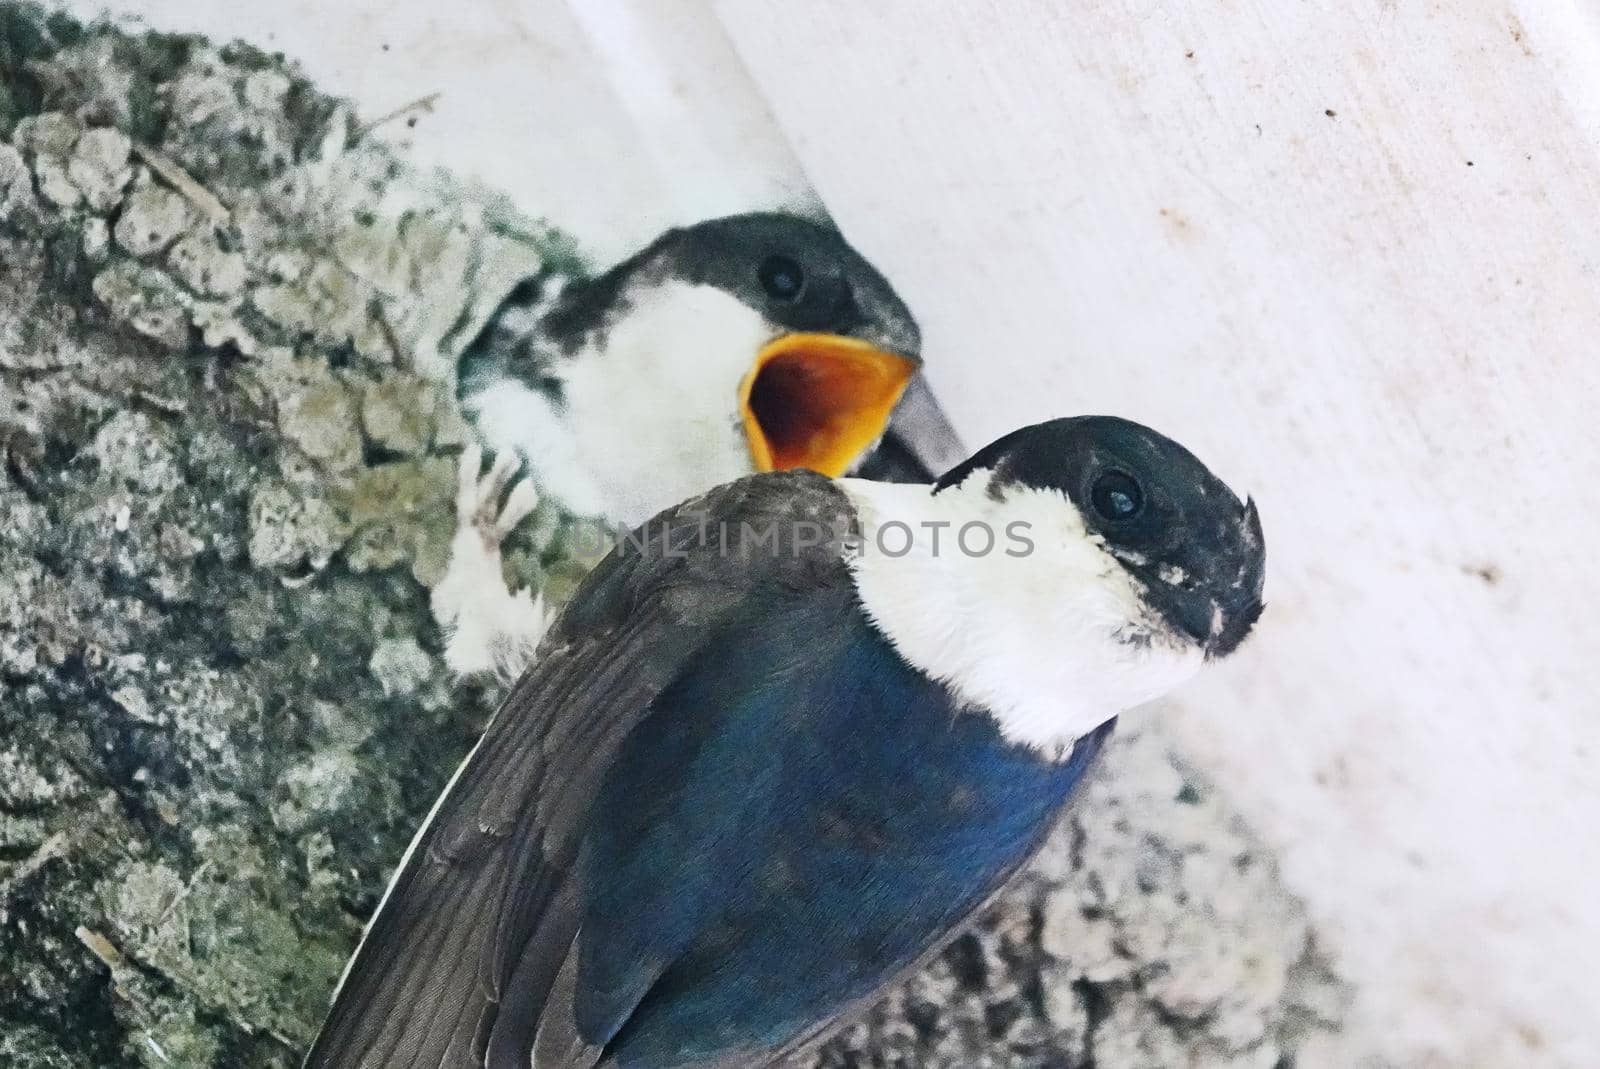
x=487, y=627
x=520, y=503
x=478, y=495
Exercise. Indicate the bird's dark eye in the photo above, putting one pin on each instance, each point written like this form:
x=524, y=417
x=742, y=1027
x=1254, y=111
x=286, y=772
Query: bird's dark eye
x=1117, y=496
x=782, y=278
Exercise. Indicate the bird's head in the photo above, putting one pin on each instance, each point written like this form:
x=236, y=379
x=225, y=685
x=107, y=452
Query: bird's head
x=827, y=352
x=1110, y=564
x=1192, y=550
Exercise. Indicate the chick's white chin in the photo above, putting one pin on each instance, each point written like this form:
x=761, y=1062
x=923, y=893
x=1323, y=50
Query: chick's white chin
x=649, y=411
x=1051, y=639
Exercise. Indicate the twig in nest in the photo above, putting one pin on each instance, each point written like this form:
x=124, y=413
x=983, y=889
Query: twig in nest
x=422, y=104
x=402, y=359
x=123, y=981
x=195, y=193
x=102, y=948
x=48, y=851
x=167, y=406
x=177, y=899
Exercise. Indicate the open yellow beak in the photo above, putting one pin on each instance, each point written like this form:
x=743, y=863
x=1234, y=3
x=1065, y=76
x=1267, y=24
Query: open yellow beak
x=819, y=401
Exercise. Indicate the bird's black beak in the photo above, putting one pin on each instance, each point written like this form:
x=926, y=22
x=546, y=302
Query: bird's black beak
x=819, y=401
x=1221, y=604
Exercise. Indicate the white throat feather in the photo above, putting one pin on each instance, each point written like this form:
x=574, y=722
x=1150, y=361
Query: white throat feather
x=1051, y=639
x=649, y=410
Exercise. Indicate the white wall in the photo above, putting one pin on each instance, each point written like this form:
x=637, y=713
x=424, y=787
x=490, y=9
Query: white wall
x=1145, y=208
x=1385, y=322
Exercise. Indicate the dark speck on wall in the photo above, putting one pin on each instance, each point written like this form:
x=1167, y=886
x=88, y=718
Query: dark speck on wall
x=1330, y=113
x=1520, y=36
x=1488, y=572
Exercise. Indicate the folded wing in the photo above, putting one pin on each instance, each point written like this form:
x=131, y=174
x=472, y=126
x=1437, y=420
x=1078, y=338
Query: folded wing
x=461, y=957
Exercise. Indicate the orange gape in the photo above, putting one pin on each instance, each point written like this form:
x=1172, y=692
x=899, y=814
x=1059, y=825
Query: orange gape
x=819, y=401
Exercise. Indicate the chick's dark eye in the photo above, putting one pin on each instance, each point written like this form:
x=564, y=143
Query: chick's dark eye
x=781, y=277
x=1117, y=496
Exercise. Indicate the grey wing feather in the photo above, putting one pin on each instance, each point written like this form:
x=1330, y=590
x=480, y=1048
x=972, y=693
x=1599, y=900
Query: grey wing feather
x=462, y=960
